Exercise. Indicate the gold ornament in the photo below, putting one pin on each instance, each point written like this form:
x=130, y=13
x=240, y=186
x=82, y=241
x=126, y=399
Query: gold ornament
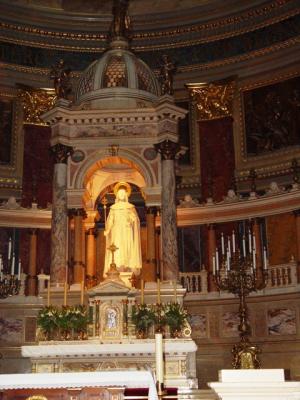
x=122, y=185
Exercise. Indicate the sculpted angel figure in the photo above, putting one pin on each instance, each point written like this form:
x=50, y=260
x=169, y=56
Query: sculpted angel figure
x=123, y=230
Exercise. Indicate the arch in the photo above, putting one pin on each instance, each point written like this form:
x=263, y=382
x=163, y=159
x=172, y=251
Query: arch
x=99, y=159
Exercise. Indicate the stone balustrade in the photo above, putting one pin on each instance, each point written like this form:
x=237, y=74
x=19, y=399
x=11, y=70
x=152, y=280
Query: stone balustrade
x=194, y=282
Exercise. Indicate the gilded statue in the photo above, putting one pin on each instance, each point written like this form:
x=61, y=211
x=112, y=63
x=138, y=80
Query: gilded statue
x=167, y=71
x=121, y=22
x=61, y=79
x=122, y=229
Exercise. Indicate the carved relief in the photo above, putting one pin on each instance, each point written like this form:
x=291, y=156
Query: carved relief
x=214, y=100
x=35, y=103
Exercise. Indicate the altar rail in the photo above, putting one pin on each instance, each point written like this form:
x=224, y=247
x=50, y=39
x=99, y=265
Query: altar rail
x=280, y=276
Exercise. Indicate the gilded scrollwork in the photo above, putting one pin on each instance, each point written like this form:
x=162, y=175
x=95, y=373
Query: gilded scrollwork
x=213, y=100
x=35, y=103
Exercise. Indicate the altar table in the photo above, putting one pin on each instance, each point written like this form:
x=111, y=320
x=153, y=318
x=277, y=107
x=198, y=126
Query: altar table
x=126, y=379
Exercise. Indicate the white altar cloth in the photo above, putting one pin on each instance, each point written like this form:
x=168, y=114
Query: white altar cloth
x=128, y=379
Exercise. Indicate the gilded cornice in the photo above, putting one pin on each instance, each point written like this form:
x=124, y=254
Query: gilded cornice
x=217, y=29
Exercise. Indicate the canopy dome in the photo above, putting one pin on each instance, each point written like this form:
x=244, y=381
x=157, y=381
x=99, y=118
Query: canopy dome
x=118, y=79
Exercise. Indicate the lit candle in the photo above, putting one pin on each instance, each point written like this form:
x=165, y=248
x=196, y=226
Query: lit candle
x=48, y=293
x=159, y=357
x=158, y=291
x=214, y=265
x=265, y=258
x=175, y=291
x=233, y=242
x=82, y=292
x=249, y=241
x=244, y=247
x=19, y=270
x=142, y=291
x=12, y=272
x=65, y=294
x=222, y=244
x=9, y=249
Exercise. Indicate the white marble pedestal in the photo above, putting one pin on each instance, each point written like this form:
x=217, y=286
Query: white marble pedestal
x=258, y=384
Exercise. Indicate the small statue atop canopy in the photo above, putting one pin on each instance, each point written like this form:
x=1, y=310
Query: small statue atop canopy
x=121, y=22
x=167, y=71
x=61, y=79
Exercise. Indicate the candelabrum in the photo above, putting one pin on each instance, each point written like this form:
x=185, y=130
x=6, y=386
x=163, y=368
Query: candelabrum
x=238, y=275
x=9, y=286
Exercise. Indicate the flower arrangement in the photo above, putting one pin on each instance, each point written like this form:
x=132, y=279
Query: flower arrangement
x=63, y=323
x=143, y=317
x=175, y=317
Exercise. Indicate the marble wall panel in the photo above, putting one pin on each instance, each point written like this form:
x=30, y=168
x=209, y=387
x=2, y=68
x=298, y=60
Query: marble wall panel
x=199, y=325
x=229, y=324
x=282, y=321
x=11, y=330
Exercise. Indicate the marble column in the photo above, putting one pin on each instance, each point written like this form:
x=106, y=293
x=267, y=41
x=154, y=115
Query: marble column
x=78, y=215
x=32, y=277
x=212, y=243
x=168, y=151
x=150, y=274
x=59, y=221
x=297, y=221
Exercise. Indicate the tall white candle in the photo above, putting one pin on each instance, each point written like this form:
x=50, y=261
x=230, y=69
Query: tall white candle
x=233, y=242
x=19, y=270
x=244, y=247
x=254, y=259
x=222, y=244
x=228, y=261
x=214, y=265
x=9, y=249
x=159, y=362
x=265, y=258
x=12, y=272
x=254, y=242
x=229, y=246
x=249, y=241
x=217, y=259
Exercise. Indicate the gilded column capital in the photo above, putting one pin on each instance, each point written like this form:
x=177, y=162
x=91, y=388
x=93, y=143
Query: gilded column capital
x=167, y=149
x=61, y=152
x=214, y=100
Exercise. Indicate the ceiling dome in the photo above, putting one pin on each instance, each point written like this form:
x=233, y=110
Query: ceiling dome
x=118, y=79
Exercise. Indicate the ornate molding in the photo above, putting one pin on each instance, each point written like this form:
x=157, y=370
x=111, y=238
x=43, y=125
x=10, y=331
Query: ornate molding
x=61, y=152
x=214, y=100
x=35, y=103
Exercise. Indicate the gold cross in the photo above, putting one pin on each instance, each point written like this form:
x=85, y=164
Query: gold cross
x=113, y=248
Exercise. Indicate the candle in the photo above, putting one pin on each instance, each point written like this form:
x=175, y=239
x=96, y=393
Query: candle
x=142, y=291
x=214, y=265
x=229, y=246
x=222, y=244
x=19, y=270
x=254, y=259
x=265, y=258
x=9, y=248
x=12, y=272
x=217, y=259
x=249, y=241
x=158, y=291
x=159, y=358
x=254, y=242
x=175, y=291
x=82, y=292
x=244, y=247
x=48, y=293
x=1, y=267
x=233, y=242
x=228, y=260
x=65, y=294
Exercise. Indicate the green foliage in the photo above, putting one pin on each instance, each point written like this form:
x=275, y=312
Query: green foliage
x=52, y=319
x=175, y=316
x=143, y=316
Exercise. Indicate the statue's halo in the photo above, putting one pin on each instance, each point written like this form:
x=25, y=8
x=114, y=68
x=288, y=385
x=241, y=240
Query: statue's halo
x=122, y=185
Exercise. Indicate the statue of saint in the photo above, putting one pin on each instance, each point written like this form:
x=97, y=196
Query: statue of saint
x=61, y=79
x=167, y=71
x=120, y=24
x=123, y=230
